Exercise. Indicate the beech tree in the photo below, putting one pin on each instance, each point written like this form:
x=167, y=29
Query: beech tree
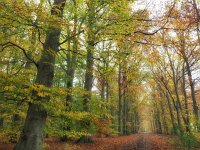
x=77, y=68
x=32, y=134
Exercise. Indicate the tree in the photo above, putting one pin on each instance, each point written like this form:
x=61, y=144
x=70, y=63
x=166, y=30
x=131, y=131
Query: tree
x=32, y=134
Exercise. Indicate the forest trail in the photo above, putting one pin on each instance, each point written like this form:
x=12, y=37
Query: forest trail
x=140, y=141
x=143, y=142
x=148, y=141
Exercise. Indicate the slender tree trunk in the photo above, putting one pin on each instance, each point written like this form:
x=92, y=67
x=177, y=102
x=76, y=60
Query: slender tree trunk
x=103, y=93
x=165, y=126
x=195, y=107
x=89, y=65
x=155, y=121
x=124, y=114
x=171, y=113
x=137, y=122
x=90, y=53
x=1, y=122
x=189, y=73
x=185, y=100
x=134, y=123
x=124, y=85
x=107, y=90
x=103, y=89
x=197, y=19
x=178, y=115
x=179, y=107
x=154, y=126
x=177, y=101
x=157, y=118
x=71, y=60
x=68, y=71
x=32, y=135
x=128, y=119
x=176, y=106
x=120, y=100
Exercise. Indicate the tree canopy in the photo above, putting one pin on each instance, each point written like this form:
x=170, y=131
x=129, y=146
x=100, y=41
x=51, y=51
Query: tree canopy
x=76, y=68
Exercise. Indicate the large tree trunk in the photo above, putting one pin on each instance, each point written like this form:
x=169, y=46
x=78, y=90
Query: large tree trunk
x=32, y=135
x=89, y=66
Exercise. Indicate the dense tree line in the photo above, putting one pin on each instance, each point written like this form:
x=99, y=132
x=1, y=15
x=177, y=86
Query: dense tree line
x=175, y=82
x=74, y=68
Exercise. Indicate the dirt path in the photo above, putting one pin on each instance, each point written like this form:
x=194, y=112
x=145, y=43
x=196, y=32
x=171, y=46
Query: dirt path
x=141, y=141
x=147, y=141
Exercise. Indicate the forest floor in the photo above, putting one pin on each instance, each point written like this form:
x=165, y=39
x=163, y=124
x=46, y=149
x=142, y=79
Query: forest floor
x=141, y=141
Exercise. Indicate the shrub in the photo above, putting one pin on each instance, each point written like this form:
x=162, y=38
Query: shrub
x=188, y=140
x=8, y=136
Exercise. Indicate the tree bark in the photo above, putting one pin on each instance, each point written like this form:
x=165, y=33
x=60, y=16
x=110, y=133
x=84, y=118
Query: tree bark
x=32, y=135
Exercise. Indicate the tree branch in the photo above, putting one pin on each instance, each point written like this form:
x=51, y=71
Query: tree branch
x=8, y=44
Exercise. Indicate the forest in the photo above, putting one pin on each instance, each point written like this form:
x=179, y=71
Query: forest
x=99, y=74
